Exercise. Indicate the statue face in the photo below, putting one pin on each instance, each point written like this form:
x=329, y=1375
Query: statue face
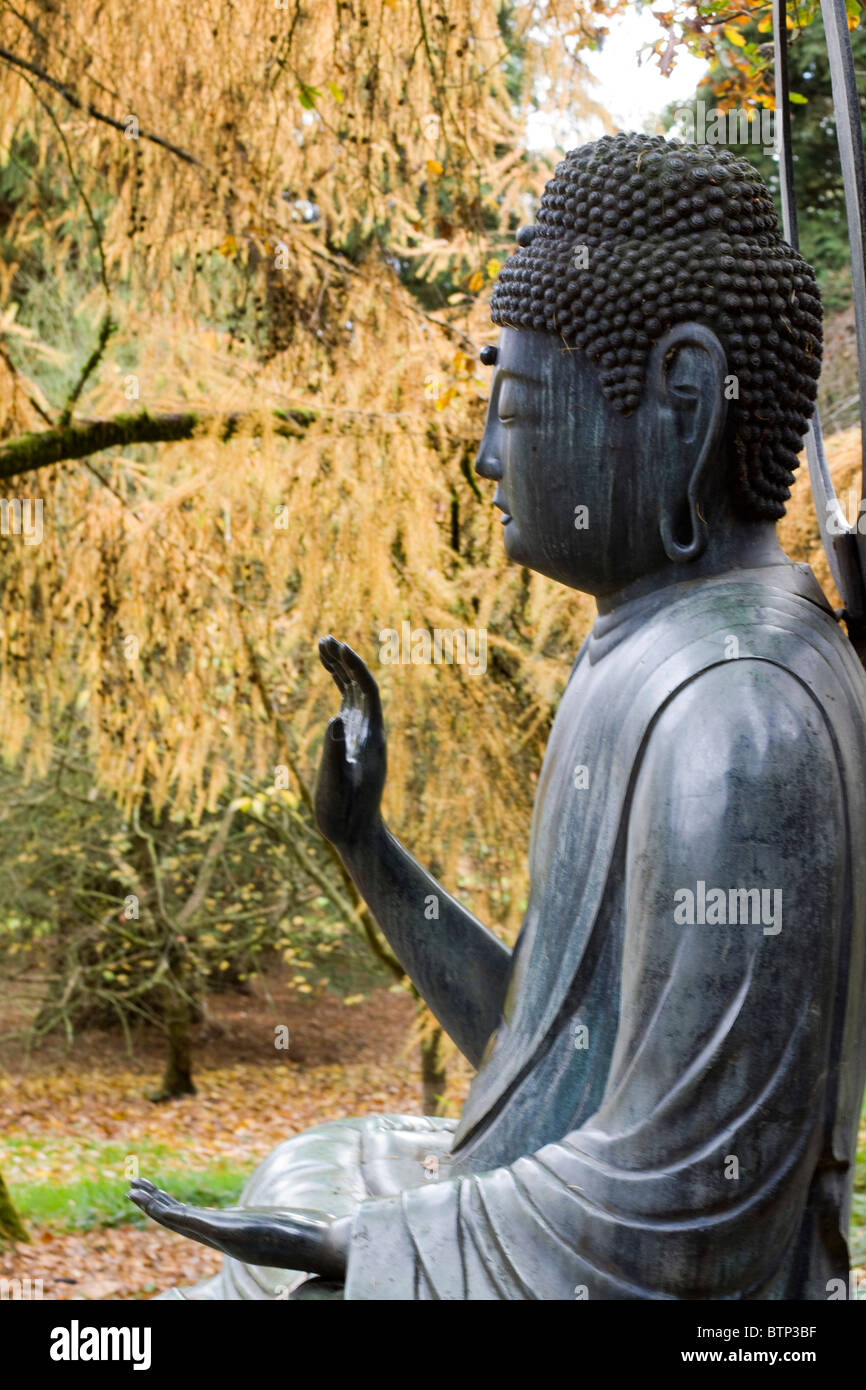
x=575, y=479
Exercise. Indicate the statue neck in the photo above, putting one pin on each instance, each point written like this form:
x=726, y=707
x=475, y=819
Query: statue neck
x=746, y=546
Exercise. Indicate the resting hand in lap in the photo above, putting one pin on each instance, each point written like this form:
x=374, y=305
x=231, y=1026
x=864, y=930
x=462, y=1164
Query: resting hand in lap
x=287, y=1240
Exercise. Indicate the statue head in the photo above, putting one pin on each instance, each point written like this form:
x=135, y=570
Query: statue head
x=656, y=368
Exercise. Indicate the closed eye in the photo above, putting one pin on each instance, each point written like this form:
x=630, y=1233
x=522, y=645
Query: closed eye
x=507, y=404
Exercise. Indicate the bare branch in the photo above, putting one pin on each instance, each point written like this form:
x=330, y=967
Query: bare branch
x=76, y=102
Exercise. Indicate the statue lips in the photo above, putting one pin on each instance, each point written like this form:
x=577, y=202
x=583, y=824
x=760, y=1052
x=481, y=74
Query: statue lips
x=506, y=516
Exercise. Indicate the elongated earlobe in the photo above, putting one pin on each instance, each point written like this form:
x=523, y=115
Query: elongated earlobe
x=681, y=552
x=688, y=367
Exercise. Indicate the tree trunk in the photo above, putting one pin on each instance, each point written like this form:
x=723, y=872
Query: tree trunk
x=11, y=1228
x=433, y=1073
x=175, y=997
x=177, y=1078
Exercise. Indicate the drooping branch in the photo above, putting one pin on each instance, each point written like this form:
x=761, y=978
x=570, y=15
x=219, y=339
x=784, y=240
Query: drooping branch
x=76, y=102
x=106, y=329
x=25, y=386
x=88, y=207
x=77, y=440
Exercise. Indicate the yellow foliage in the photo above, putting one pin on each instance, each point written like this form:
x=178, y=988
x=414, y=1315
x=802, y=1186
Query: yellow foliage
x=227, y=560
x=734, y=36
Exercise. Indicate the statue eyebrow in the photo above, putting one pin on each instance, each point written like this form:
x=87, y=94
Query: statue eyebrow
x=508, y=374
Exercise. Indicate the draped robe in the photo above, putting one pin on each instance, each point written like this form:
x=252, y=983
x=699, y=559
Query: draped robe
x=702, y=1144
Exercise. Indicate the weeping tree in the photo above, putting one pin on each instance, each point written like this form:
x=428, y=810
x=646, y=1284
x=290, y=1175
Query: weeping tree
x=247, y=256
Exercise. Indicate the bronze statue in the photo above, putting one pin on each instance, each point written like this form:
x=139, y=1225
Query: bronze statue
x=671, y=1061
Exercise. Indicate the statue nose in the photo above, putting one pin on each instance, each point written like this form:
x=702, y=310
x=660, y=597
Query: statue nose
x=486, y=466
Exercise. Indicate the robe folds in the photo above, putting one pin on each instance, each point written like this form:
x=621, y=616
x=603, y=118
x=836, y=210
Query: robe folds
x=665, y=1111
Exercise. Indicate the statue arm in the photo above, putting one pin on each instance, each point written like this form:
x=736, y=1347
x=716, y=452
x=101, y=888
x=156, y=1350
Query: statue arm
x=691, y=1179
x=457, y=965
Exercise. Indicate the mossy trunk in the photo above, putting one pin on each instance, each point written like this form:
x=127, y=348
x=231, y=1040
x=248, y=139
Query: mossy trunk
x=433, y=1073
x=11, y=1228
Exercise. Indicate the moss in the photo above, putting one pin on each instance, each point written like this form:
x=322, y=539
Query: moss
x=75, y=441
x=10, y=1222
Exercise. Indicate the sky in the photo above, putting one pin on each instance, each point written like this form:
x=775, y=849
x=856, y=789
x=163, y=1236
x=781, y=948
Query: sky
x=631, y=93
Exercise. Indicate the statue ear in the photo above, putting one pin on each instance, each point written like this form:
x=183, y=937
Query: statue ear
x=686, y=375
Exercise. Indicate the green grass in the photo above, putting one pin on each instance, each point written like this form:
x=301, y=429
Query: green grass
x=99, y=1198
x=80, y=1206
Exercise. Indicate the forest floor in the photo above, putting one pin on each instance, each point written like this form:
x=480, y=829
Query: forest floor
x=76, y=1124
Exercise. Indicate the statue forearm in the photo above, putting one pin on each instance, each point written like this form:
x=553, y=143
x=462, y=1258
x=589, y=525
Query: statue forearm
x=291, y=1240
x=458, y=966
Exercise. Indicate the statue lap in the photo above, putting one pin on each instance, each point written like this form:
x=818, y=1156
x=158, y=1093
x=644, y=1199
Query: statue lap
x=331, y=1168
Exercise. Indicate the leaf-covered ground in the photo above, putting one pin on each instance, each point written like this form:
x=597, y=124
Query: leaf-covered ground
x=72, y=1125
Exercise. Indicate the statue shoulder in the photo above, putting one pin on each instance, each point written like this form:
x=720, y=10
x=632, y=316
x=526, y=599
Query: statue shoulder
x=744, y=728
x=740, y=787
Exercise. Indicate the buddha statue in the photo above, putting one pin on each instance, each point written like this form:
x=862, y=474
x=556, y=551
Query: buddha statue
x=671, y=1060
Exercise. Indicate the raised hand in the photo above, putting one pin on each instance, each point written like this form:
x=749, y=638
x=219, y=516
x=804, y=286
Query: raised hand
x=352, y=770
x=459, y=967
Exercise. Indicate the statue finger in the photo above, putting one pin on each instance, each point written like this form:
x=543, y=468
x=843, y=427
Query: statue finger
x=329, y=655
x=143, y=1185
x=349, y=687
x=333, y=663
x=146, y=1194
x=353, y=692
x=367, y=683
x=336, y=729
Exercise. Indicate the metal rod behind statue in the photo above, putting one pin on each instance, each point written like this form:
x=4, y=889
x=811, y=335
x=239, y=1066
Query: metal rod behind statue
x=844, y=545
